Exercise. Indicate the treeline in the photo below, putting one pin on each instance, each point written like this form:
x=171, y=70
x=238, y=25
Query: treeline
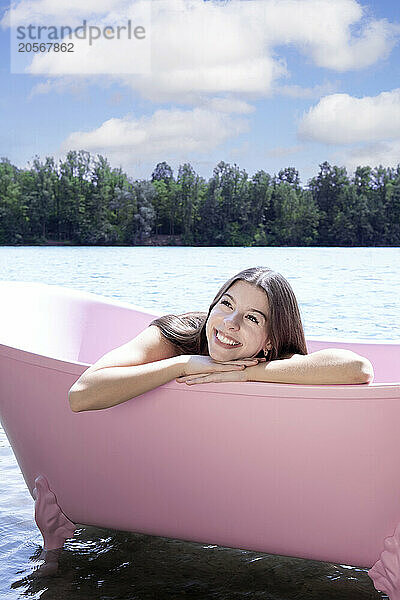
x=84, y=201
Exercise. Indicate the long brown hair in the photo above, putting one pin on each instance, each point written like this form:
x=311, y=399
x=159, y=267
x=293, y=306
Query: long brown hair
x=284, y=327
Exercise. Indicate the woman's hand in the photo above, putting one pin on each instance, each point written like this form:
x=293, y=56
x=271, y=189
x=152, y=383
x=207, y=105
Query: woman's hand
x=222, y=377
x=198, y=365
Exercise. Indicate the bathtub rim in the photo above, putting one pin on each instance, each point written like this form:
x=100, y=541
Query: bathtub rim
x=371, y=391
x=74, y=367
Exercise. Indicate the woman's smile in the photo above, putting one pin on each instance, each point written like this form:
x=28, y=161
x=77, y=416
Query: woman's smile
x=224, y=340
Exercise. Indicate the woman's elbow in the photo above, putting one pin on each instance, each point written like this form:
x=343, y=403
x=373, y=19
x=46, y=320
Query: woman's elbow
x=74, y=400
x=363, y=370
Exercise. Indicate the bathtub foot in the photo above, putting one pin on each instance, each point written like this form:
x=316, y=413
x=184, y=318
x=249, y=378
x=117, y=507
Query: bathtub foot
x=385, y=573
x=50, y=565
x=55, y=527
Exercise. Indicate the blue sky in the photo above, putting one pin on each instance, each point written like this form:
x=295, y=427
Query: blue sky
x=263, y=83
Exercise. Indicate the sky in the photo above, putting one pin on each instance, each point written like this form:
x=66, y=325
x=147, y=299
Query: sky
x=265, y=84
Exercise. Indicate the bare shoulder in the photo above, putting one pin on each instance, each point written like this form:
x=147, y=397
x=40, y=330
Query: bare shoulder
x=148, y=346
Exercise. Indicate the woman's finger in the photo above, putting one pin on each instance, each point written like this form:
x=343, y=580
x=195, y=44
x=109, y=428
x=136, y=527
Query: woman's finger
x=184, y=378
x=218, y=378
x=229, y=367
x=212, y=377
x=237, y=361
x=217, y=367
x=205, y=379
x=244, y=362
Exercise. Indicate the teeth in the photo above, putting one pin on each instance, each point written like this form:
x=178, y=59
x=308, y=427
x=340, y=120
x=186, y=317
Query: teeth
x=225, y=340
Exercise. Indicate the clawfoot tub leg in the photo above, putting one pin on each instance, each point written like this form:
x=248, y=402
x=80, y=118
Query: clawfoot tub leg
x=55, y=527
x=385, y=573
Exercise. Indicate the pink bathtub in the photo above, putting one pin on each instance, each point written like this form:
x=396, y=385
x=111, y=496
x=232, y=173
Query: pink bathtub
x=297, y=470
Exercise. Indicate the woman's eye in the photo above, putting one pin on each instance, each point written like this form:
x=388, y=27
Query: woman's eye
x=253, y=318
x=226, y=302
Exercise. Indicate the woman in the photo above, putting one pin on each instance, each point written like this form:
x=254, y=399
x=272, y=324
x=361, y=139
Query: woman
x=252, y=332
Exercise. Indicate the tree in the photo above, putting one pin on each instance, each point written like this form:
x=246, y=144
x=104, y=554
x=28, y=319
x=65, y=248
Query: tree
x=143, y=220
x=296, y=216
x=188, y=186
x=392, y=229
x=329, y=192
x=289, y=175
x=162, y=172
x=165, y=201
x=74, y=190
x=225, y=207
x=14, y=219
x=260, y=209
x=41, y=198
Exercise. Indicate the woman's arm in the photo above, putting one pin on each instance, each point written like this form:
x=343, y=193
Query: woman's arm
x=144, y=363
x=332, y=365
x=136, y=367
x=108, y=387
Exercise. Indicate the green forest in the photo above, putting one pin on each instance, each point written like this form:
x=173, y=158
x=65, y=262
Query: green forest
x=81, y=200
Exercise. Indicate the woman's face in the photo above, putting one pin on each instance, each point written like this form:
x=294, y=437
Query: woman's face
x=237, y=325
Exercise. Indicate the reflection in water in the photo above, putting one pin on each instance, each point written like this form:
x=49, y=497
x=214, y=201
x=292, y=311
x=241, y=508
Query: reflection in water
x=99, y=563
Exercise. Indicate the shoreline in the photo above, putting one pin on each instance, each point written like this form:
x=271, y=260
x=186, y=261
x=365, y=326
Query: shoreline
x=176, y=241
x=155, y=240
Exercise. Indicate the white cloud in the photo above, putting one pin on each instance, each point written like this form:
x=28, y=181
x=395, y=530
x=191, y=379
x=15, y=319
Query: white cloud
x=325, y=34
x=250, y=78
x=46, y=12
x=322, y=29
x=205, y=48
x=297, y=91
x=343, y=119
x=101, y=44
x=62, y=85
x=166, y=134
x=85, y=59
x=386, y=154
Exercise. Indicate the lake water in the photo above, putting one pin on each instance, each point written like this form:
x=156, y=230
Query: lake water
x=343, y=293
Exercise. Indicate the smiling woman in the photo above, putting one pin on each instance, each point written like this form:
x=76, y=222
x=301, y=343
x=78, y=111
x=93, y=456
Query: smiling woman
x=257, y=309
x=252, y=332
x=235, y=325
